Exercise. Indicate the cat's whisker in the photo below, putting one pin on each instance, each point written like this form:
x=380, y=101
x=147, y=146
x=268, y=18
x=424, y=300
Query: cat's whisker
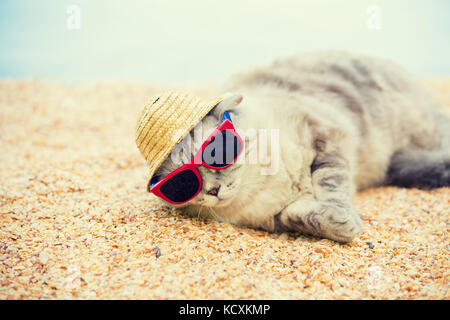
x=213, y=213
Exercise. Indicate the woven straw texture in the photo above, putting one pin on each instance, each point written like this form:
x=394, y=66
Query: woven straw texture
x=166, y=120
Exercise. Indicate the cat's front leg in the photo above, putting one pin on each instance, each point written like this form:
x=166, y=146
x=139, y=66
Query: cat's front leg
x=329, y=211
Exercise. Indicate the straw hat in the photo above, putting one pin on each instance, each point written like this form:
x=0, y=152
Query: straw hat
x=166, y=120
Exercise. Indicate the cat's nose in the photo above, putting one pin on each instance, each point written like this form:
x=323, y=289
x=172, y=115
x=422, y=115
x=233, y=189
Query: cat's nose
x=214, y=191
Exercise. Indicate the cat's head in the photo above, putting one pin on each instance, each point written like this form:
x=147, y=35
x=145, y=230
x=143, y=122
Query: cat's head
x=219, y=187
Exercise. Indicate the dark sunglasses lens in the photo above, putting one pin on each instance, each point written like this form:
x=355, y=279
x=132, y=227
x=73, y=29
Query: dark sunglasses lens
x=181, y=187
x=222, y=149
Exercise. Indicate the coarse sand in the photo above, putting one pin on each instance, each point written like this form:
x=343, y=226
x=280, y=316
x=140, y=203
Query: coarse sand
x=77, y=223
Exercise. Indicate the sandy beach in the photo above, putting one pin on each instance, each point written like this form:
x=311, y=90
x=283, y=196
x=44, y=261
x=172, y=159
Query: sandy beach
x=77, y=223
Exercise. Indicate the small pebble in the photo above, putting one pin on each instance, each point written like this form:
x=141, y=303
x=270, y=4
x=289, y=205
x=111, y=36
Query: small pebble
x=371, y=246
x=43, y=258
x=158, y=252
x=283, y=236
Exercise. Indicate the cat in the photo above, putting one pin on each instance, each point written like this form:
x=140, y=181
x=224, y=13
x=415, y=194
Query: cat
x=346, y=122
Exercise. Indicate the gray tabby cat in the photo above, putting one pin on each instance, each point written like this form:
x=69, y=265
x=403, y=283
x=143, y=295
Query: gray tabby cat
x=345, y=123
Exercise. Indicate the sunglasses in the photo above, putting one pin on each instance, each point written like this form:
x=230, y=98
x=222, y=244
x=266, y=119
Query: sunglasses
x=219, y=151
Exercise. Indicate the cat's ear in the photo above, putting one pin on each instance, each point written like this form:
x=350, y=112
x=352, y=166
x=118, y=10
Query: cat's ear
x=226, y=105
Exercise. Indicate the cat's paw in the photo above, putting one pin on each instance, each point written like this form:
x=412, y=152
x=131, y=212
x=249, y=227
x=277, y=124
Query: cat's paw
x=341, y=224
x=335, y=220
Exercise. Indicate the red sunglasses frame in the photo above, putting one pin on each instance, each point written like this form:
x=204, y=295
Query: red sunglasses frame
x=196, y=162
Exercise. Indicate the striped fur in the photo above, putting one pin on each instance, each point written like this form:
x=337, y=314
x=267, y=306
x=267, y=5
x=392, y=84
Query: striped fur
x=346, y=122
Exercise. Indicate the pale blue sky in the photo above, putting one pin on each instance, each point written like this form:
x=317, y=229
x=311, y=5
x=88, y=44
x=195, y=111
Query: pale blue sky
x=197, y=41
